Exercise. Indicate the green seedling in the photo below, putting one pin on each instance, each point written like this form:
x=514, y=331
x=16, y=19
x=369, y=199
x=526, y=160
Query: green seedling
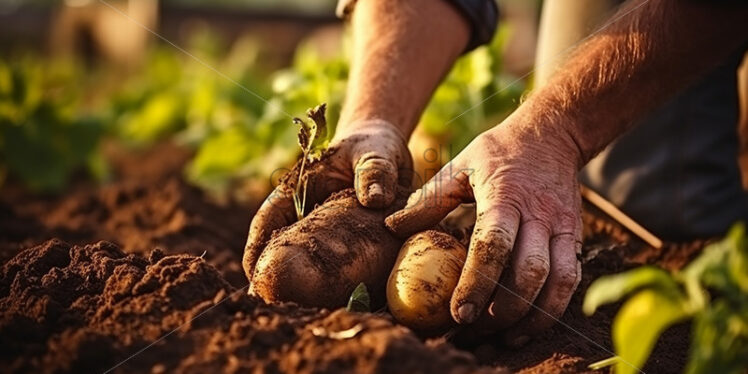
x=359, y=301
x=712, y=291
x=313, y=142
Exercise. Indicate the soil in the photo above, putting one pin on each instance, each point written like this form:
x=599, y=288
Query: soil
x=143, y=274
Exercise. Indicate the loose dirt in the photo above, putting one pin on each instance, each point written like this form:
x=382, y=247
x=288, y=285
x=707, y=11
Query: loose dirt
x=166, y=290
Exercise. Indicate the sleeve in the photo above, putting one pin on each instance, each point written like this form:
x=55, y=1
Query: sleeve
x=483, y=16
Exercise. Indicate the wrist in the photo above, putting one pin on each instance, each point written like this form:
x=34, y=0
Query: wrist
x=554, y=132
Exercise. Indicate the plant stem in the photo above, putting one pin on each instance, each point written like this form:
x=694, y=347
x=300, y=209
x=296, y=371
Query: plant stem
x=298, y=202
x=603, y=363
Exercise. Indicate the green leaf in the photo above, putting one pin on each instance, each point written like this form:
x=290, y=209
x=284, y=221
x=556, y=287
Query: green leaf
x=612, y=288
x=738, y=256
x=639, y=323
x=305, y=134
x=722, y=265
x=161, y=115
x=222, y=156
x=313, y=134
x=359, y=301
x=720, y=341
x=712, y=256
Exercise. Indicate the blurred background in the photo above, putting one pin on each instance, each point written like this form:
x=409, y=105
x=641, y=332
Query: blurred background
x=82, y=80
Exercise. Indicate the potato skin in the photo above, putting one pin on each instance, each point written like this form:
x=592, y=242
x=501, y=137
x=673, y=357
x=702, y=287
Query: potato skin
x=425, y=274
x=319, y=260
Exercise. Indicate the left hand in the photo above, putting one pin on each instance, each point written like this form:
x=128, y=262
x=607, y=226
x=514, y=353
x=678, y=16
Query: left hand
x=523, y=250
x=371, y=156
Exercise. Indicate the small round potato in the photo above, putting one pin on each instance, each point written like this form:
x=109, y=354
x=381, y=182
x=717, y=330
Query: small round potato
x=423, y=279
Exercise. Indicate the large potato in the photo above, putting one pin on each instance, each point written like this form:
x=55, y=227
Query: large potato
x=319, y=260
x=423, y=279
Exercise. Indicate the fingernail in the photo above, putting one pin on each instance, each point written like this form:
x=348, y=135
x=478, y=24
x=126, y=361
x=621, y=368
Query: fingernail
x=519, y=341
x=466, y=313
x=375, y=189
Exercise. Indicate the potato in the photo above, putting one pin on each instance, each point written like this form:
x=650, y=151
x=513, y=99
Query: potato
x=423, y=279
x=319, y=260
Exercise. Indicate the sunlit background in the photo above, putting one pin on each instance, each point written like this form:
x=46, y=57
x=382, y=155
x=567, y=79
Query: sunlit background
x=218, y=78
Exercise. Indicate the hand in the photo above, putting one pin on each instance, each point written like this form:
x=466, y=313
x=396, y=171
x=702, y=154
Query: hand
x=523, y=250
x=371, y=156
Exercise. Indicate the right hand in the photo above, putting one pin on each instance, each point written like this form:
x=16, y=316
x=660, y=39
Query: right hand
x=370, y=155
x=521, y=268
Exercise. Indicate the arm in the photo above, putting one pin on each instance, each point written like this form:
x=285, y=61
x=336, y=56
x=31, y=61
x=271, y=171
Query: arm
x=401, y=50
x=655, y=49
x=523, y=173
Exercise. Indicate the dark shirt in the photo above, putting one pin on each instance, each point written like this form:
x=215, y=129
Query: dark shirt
x=483, y=16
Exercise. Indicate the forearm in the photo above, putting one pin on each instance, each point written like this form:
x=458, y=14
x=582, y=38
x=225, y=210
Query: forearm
x=631, y=66
x=401, y=50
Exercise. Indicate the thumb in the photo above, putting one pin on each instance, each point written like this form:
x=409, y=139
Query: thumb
x=378, y=150
x=277, y=211
x=376, y=180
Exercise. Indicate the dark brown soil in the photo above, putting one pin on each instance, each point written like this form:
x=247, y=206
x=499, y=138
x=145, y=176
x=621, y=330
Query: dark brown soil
x=84, y=307
x=150, y=206
x=93, y=308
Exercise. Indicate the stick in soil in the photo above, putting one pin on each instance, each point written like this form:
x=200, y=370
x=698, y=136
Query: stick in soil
x=613, y=212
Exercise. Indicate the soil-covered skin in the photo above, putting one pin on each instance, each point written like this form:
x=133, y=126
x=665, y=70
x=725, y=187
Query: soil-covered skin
x=88, y=305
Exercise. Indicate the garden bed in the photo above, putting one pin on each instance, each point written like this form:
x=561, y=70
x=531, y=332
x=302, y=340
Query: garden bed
x=143, y=274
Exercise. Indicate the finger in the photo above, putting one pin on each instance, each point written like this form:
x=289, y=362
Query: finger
x=375, y=181
x=432, y=202
x=277, y=211
x=492, y=241
x=524, y=280
x=565, y=274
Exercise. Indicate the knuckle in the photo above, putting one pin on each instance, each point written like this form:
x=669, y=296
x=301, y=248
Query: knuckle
x=476, y=288
x=506, y=197
x=500, y=237
x=566, y=282
x=375, y=165
x=568, y=221
x=492, y=246
x=374, y=161
x=534, y=269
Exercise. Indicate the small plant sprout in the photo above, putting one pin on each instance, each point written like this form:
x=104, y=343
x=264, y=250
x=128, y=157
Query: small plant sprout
x=712, y=291
x=313, y=142
x=360, y=300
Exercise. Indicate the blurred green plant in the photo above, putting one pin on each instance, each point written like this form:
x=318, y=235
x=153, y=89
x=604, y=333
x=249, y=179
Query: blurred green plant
x=211, y=103
x=474, y=96
x=44, y=138
x=221, y=104
x=176, y=95
x=712, y=291
x=268, y=143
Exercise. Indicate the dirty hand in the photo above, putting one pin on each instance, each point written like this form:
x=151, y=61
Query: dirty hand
x=523, y=178
x=369, y=155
